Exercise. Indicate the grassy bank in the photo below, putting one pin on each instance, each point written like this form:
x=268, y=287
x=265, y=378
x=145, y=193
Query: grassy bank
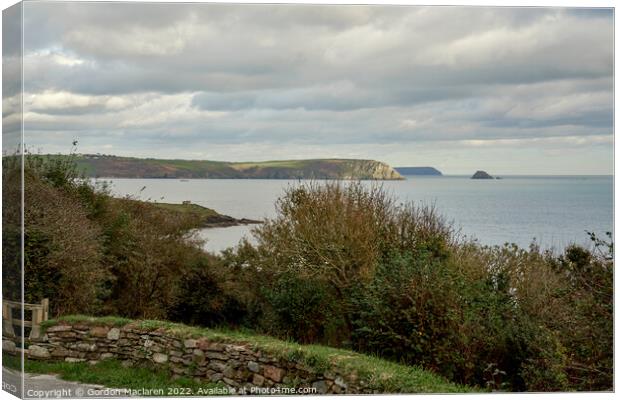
x=195, y=210
x=385, y=376
x=112, y=374
x=202, y=217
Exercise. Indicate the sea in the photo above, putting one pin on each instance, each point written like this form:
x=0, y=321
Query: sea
x=553, y=211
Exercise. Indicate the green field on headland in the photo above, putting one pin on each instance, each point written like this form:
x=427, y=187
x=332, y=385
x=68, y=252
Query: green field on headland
x=129, y=167
x=202, y=217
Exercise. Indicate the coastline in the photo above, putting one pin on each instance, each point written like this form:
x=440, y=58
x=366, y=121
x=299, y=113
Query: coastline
x=225, y=221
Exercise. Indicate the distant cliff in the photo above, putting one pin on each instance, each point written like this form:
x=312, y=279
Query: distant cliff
x=129, y=167
x=418, y=171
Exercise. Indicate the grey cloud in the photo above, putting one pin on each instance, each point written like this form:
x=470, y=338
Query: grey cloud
x=332, y=96
x=81, y=111
x=336, y=96
x=322, y=76
x=227, y=48
x=227, y=101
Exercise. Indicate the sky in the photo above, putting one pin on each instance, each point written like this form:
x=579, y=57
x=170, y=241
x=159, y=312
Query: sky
x=507, y=90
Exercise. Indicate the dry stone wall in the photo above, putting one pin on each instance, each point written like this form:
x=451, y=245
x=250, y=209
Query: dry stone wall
x=234, y=365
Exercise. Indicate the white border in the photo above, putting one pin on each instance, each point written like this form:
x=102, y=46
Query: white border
x=484, y=3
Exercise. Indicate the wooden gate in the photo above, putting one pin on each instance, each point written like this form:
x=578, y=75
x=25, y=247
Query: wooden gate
x=40, y=313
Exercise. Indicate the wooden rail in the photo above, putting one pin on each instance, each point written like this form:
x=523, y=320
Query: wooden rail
x=40, y=313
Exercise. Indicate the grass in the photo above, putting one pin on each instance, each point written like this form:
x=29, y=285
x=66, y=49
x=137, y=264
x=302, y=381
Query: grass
x=196, y=215
x=195, y=209
x=266, y=164
x=113, y=166
x=310, y=163
x=87, y=320
x=381, y=375
x=112, y=374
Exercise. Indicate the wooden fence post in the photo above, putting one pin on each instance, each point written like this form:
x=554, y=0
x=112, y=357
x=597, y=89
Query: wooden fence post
x=46, y=309
x=7, y=320
x=35, y=329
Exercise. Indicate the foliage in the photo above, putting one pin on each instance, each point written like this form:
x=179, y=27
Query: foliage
x=334, y=235
x=11, y=228
x=396, y=281
x=407, y=311
x=92, y=253
x=588, y=335
x=149, y=251
x=204, y=299
x=62, y=250
x=301, y=308
x=340, y=264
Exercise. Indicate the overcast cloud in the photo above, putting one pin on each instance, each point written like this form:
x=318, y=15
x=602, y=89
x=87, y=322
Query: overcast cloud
x=509, y=90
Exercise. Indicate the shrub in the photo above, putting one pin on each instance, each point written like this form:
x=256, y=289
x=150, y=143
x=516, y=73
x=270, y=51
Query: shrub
x=407, y=312
x=587, y=325
x=423, y=310
x=337, y=234
x=149, y=251
x=62, y=251
x=203, y=297
x=62, y=248
x=302, y=308
x=11, y=228
x=91, y=253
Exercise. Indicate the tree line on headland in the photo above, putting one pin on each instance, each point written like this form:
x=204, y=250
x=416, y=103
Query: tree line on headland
x=340, y=264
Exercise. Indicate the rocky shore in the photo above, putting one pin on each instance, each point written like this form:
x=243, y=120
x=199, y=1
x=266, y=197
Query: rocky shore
x=223, y=221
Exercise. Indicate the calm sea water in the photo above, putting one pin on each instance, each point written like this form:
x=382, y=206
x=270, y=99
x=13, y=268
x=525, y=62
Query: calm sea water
x=554, y=210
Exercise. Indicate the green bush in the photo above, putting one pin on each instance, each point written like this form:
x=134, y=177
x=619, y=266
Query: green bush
x=11, y=228
x=204, y=298
x=148, y=250
x=588, y=323
x=303, y=309
x=337, y=234
x=420, y=310
x=92, y=253
x=62, y=258
x=406, y=310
